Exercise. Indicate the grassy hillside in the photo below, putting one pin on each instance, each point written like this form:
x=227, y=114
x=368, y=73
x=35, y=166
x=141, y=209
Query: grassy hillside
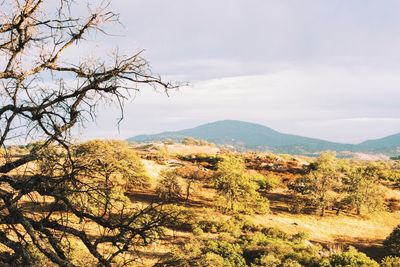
x=234, y=209
x=330, y=234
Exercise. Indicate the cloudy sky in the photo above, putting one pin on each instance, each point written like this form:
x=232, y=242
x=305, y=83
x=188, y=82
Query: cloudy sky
x=326, y=69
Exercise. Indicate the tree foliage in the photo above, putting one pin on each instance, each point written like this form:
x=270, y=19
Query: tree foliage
x=192, y=175
x=363, y=191
x=340, y=185
x=169, y=188
x=320, y=184
x=113, y=161
x=237, y=187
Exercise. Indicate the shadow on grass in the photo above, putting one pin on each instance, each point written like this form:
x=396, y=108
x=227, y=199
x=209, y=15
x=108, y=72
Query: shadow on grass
x=279, y=203
x=149, y=197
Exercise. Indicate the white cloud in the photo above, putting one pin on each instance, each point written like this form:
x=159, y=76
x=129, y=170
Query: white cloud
x=316, y=68
x=320, y=101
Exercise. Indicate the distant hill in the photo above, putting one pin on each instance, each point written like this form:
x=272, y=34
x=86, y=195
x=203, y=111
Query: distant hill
x=389, y=145
x=251, y=136
x=386, y=142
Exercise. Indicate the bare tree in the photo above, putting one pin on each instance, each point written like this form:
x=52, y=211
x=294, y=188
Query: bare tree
x=43, y=97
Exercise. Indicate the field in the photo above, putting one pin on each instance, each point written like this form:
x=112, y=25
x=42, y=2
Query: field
x=209, y=206
x=334, y=232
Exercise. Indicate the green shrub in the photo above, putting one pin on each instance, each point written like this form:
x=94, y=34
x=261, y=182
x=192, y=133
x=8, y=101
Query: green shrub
x=211, y=259
x=273, y=181
x=269, y=182
x=246, y=224
x=291, y=263
x=231, y=253
x=197, y=231
x=392, y=242
x=390, y=261
x=274, y=232
x=258, y=239
x=231, y=226
x=208, y=226
x=268, y=260
x=299, y=237
x=352, y=258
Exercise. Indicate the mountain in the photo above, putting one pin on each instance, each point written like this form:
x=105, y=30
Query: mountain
x=248, y=136
x=386, y=142
x=245, y=135
x=389, y=145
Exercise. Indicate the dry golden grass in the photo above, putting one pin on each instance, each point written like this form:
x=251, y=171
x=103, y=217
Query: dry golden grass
x=191, y=149
x=329, y=229
x=375, y=227
x=345, y=229
x=364, y=232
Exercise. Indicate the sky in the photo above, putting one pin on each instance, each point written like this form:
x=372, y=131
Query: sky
x=324, y=69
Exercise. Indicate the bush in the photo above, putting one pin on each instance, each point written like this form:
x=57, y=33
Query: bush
x=352, y=258
x=231, y=253
x=261, y=250
x=268, y=183
x=197, y=231
x=231, y=226
x=298, y=204
x=208, y=226
x=291, y=263
x=255, y=247
x=299, y=237
x=268, y=260
x=210, y=259
x=390, y=262
x=246, y=224
x=275, y=233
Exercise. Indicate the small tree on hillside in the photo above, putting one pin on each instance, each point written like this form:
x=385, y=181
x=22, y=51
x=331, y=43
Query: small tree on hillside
x=192, y=174
x=113, y=161
x=363, y=190
x=320, y=184
x=236, y=186
x=169, y=188
x=106, y=168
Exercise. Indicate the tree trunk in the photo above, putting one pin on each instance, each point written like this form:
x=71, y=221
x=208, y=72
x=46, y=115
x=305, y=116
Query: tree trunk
x=323, y=211
x=338, y=211
x=358, y=210
x=187, y=192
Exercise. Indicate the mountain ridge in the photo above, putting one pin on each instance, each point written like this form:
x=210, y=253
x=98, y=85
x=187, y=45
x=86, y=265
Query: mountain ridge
x=253, y=136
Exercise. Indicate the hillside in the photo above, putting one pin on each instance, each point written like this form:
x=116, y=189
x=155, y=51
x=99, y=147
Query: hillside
x=389, y=144
x=252, y=136
x=331, y=233
x=214, y=207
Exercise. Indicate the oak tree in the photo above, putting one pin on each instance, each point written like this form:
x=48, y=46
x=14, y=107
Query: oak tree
x=235, y=186
x=44, y=94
